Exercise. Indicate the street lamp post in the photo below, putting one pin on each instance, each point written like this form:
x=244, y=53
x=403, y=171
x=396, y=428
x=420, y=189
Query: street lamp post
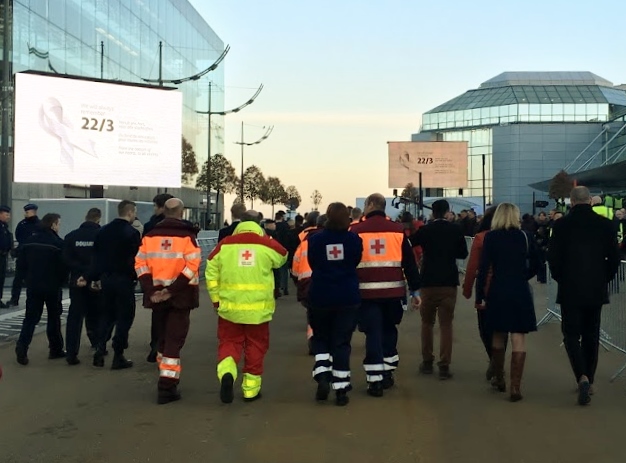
x=265, y=136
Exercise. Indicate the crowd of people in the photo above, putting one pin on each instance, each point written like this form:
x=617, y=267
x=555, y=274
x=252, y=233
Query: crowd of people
x=353, y=270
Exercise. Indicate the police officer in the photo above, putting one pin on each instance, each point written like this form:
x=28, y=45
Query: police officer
x=41, y=260
x=85, y=303
x=386, y=263
x=24, y=230
x=6, y=244
x=115, y=248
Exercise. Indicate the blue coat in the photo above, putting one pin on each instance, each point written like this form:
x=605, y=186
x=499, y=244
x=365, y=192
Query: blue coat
x=333, y=257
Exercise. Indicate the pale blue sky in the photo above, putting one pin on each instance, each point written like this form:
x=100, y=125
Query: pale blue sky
x=343, y=77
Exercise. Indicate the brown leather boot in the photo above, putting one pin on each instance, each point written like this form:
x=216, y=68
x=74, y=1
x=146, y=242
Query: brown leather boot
x=517, y=370
x=497, y=363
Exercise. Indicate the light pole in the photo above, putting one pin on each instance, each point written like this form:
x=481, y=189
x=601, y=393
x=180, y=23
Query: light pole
x=210, y=113
x=242, y=143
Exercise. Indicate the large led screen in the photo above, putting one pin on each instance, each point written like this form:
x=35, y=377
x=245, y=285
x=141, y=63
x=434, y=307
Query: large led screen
x=73, y=131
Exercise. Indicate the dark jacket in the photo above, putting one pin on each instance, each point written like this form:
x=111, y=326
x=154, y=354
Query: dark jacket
x=333, y=257
x=442, y=244
x=227, y=231
x=150, y=224
x=6, y=239
x=115, y=248
x=41, y=262
x=293, y=241
x=281, y=234
x=583, y=256
x=26, y=228
x=78, y=250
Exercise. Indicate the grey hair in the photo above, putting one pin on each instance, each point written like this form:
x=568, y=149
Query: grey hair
x=580, y=195
x=251, y=216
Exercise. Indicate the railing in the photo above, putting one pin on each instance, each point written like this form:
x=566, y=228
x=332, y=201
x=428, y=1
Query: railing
x=206, y=245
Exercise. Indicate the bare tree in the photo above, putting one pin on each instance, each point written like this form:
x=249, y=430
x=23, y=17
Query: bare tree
x=316, y=198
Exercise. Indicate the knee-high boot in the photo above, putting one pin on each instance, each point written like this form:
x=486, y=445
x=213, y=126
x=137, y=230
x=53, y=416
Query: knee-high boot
x=517, y=370
x=497, y=363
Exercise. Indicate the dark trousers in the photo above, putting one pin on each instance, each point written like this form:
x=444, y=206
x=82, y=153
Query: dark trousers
x=172, y=326
x=542, y=270
x=333, y=328
x=486, y=332
x=18, y=280
x=581, y=336
x=283, y=278
x=154, y=332
x=85, y=305
x=35, y=300
x=118, y=294
x=378, y=319
x=3, y=272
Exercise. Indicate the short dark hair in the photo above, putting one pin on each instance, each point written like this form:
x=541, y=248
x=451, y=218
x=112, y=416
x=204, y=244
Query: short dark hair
x=125, y=207
x=299, y=220
x=49, y=219
x=93, y=214
x=440, y=207
x=159, y=200
x=337, y=217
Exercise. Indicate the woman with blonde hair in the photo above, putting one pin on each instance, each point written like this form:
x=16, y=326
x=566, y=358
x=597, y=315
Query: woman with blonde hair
x=512, y=257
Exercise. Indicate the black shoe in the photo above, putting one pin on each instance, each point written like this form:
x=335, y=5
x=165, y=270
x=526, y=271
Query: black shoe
x=252, y=399
x=426, y=368
x=323, y=389
x=13, y=303
x=375, y=389
x=152, y=357
x=388, y=382
x=342, y=399
x=120, y=362
x=72, y=360
x=168, y=395
x=98, y=360
x=21, y=354
x=444, y=373
x=3, y=305
x=584, y=398
x=56, y=354
x=226, y=389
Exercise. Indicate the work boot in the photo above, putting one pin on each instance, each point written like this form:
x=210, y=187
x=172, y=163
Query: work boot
x=252, y=399
x=426, y=368
x=21, y=354
x=166, y=396
x=56, y=354
x=98, y=359
x=226, y=389
x=444, y=372
x=323, y=389
x=120, y=362
x=497, y=363
x=517, y=370
x=152, y=356
x=388, y=381
x=72, y=360
x=375, y=389
x=341, y=398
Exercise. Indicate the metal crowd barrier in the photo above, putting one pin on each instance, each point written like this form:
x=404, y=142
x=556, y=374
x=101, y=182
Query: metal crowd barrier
x=613, y=327
x=462, y=263
x=206, y=245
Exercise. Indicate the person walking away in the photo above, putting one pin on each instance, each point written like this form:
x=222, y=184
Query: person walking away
x=334, y=299
x=167, y=266
x=45, y=272
x=584, y=257
x=281, y=234
x=236, y=211
x=513, y=259
x=240, y=281
x=86, y=304
x=115, y=248
x=484, y=326
x=6, y=245
x=387, y=263
x=24, y=230
x=442, y=244
x=356, y=215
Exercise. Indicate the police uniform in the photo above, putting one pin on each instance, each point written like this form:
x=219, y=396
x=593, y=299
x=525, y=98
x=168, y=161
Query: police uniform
x=386, y=262
x=24, y=230
x=169, y=258
x=6, y=244
x=85, y=303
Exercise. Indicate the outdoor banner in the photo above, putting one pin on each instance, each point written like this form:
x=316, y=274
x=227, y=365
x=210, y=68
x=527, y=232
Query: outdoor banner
x=81, y=132
x=443, y=164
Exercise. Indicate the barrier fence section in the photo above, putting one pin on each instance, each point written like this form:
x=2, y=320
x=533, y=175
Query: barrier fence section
x=613, y=327
x=462, y=263
x=206, y=246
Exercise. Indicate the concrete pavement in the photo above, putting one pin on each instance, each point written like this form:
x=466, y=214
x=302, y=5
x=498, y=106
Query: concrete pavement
x=51, y=412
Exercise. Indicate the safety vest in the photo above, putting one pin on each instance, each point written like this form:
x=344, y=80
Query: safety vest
x=300, y=267
x=380, y=271
x=166, y=258
x=620, y=233
x=604, y=211
x=619, y=203
x=609, y=201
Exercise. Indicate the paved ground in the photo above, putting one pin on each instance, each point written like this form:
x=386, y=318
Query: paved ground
x=50, y=412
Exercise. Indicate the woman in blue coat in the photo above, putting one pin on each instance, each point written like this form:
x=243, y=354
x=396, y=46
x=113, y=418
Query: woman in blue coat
x=334, y=298
x=513, y=259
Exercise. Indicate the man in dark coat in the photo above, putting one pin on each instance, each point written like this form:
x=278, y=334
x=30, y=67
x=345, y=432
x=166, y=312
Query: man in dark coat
x=583, y=257
x=236, y=211
x=41, y=260
x=6, y=244
x=24, y=230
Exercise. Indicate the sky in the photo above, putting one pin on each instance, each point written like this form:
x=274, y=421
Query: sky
x=344, y=77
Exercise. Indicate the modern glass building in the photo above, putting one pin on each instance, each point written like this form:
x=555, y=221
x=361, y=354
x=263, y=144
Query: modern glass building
x=527, y=126
x=125, y=40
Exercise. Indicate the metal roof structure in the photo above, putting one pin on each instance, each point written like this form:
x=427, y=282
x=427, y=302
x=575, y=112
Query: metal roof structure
x=609, y=178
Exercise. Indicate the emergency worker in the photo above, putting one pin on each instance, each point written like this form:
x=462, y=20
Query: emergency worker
x=600, y=209
x=24, y=230
x=85, y=303
x=240, y=280
x=167, y=266
x=386, y=263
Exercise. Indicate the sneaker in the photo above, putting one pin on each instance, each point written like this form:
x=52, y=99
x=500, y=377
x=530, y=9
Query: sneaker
x=388, y=382
x=226, y=389
x=375, y=389
x=72, y=360
x=56, y=354
x=342, y=399
x=444, y=373
x=21, y=355
x=166, y=396
x=426, y=368
x=323, y=389
x=584, y=398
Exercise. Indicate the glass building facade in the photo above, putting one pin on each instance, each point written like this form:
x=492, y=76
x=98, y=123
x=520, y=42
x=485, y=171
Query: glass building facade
x=524, y=98
x=119, y=40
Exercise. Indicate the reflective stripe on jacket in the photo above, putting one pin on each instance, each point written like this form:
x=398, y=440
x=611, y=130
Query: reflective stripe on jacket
x=239, y=275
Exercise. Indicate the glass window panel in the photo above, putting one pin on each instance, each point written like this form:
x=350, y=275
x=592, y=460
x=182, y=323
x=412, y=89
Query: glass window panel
x=458, y=116
x=581, y=110
x=546, y=110
x=557, y=109
x=569, y=109
x=56, y=14
x=534, y=109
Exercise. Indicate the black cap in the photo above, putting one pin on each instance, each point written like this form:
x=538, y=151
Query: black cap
x=30, y=207
x=5, y=209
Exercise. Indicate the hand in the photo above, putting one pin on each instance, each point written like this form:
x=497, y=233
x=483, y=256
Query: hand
x=480, y=306
x=96, y=286
x=160, y=296
x=416, y=303
x=81, y=282
x=467, y=294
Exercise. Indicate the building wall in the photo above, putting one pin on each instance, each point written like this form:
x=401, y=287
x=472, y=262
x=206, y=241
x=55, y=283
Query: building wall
x=528, y=153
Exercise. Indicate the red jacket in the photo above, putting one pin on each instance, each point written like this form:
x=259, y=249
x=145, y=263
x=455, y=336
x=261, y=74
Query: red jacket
x=473, y=265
